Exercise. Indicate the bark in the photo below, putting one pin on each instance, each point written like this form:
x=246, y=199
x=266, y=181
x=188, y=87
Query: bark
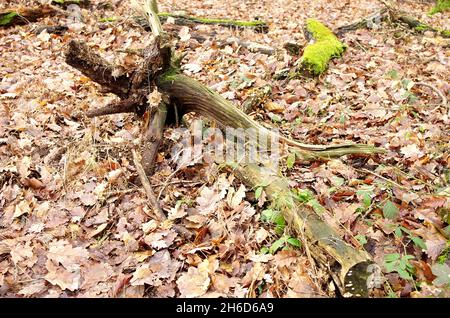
x=153, y=138
x=195, y=97
x=23, y=15
x=96, y=68
x=181, y=19
x=349, y=266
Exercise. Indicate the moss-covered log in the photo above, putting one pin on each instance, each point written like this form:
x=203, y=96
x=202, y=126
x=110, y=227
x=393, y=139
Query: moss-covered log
x=257, y=25
x=326, y=46
x=182, y=19
x=349, y=266
x=23, y=15
x=419, y=26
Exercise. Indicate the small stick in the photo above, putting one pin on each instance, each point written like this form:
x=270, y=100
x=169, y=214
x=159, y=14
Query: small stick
x=385, y=179
x=437, y=91
x=147, y=187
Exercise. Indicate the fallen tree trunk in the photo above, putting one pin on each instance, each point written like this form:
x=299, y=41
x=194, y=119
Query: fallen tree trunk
x=392, y=14
x=349, y=266
x=365, y=22
x=23, y=15
x=182, y=19
x=190, y=95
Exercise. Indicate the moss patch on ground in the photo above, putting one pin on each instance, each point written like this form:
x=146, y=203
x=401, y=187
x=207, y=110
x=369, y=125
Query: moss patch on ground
x=7, y=18
x=327, y=46
x=440, y=6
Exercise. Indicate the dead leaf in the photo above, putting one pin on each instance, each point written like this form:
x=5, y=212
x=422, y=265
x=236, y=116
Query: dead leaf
x=411, y=151
x=63, y=278
x=194, y=283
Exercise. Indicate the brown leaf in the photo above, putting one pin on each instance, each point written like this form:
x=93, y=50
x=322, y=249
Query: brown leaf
x=194, y=283
x=99, y=272
x=61, y=277
x=88, y=199
x=435, y=247
x=70, y=257
x=159, y=267
x=222, y=283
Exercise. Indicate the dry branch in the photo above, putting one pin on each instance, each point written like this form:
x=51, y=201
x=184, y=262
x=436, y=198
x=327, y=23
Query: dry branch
x=349, y=265
x=96, y=68
x=153, y=137
x=23, y=15
x=147, y=187
x=182, y=19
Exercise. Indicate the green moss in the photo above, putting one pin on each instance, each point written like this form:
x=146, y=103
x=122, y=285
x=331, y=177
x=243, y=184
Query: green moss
x=422, y=27
x=216, y=21
x=327, y=46
x=440, y=6
x=445, y=33
x=7, y=18
x=169, y=75
x=109, y=19
x=67, y=2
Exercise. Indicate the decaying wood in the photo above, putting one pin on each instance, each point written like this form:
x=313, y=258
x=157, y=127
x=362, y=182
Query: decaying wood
x=201, y=37
x=292, y=48
x=147, y=187
x=182, y=19
x=362, y=23
x=398, y=15
x=349, y=265
x=96, y=68
x=53, y=29
x=24, y=15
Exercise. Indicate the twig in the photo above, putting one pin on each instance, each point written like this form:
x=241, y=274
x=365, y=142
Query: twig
x=385, y=179
x=437, y=91
x=147, y=187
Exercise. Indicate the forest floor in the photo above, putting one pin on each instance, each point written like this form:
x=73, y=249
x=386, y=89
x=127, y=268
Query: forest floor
x=75, y=222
